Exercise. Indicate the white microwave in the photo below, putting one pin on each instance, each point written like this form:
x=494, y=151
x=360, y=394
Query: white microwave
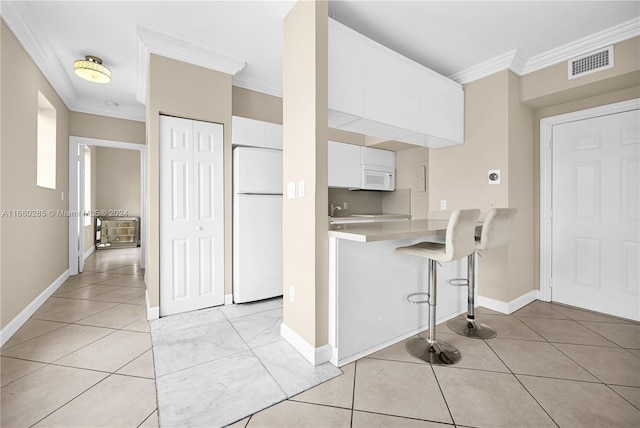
x=377, y=178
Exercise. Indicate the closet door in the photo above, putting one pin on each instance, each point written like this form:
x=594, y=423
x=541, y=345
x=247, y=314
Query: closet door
x=191, y=215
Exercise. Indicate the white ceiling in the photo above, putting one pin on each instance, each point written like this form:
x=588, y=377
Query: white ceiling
x=460, y=39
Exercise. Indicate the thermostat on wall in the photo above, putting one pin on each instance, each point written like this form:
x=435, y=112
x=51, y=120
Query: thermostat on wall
x=494, y=176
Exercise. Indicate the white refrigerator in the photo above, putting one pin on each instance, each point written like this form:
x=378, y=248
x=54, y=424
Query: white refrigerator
x=257, y=224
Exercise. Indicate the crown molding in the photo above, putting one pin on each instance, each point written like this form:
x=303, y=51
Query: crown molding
x=615, y=34
x=257, y=86
x=520, y=64
x=39, y=52
x=152, y=42
x=128, y=113
x=513, y=60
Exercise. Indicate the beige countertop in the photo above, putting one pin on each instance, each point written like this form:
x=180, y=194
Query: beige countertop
x=371, y=232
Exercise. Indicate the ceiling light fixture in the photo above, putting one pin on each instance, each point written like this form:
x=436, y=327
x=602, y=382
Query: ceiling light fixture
x=91, y=69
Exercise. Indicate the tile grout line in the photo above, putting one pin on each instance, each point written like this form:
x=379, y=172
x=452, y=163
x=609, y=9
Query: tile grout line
x=515, y=376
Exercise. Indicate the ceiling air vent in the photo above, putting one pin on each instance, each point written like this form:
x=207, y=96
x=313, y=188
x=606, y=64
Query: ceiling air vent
x=591, y=62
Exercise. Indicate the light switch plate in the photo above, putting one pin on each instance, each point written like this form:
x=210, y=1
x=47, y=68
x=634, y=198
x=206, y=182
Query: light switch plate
x=291, y=190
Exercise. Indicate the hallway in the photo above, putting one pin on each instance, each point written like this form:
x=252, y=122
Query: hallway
x=84, y=358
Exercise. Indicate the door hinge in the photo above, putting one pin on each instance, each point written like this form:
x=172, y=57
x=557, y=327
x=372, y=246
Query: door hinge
x=550, y=282
x=550, y=143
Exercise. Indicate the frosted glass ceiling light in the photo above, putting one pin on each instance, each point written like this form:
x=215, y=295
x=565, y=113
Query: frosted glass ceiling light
x=91, y=69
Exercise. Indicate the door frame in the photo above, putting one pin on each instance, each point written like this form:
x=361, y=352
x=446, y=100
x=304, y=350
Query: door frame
x=76, y=196
x=546, y=180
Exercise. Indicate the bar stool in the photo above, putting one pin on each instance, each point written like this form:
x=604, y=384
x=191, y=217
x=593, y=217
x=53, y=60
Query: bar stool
x=495, y=233
x=459, y=243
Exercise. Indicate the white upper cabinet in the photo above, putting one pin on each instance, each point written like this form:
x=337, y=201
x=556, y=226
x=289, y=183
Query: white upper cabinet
x=255, y=133
x=344, y=165
x=273, y=136
x=378, y=158
x=442, y=109
x=345, y=75
x=376, y=91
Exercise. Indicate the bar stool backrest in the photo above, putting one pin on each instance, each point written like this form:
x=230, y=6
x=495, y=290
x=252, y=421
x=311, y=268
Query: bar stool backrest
x=496, y=230
x=460, y=239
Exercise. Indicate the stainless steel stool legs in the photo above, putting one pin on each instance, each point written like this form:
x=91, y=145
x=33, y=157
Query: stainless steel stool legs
x=470, y=327
x=431, y=350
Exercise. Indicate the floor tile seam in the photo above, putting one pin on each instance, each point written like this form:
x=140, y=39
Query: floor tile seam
x=535, y=400
x=87, y=344
x=26, y=374
x=69, y=401
x=48, y=362
x=135, y=358
x=99, y=312
x=249, y=315
x=293, y=398
x=353, y=391
x=35, y=337
x=606, y=338
x=621, y=320
x=621, y=396
x=576, y=362
x=616, y=346
x=405, y=417
x=75, y=320
x=530, y=328
x=149, y=415
x=444, y=398
x=190, y=327
x=193, y=366
x=136, y=331
x=259, y=361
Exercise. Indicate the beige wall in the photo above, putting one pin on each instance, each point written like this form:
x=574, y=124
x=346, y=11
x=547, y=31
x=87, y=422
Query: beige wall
x=118, y=180
x=106, y=128
x=407, y=163
x=183, y=90
x=256, y=105
x=305, y=107
x=28, y=242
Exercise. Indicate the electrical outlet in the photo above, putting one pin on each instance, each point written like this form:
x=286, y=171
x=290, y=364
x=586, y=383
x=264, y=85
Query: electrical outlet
x=492, y=203
x=292, y=294
x=443, y=204
x=301, y=189
x=345, y=205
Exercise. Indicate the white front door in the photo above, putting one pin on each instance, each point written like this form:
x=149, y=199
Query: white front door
x=191, y=215
x=596, y=214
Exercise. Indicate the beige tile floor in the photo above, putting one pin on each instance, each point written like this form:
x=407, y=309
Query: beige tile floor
x=84, y=359
x=550, y=365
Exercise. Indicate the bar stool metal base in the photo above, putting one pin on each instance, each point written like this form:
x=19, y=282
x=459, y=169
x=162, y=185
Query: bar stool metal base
x=471, y=328
x=436, y=352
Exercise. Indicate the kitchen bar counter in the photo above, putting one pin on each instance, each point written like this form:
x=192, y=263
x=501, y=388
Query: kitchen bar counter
x=373, y=232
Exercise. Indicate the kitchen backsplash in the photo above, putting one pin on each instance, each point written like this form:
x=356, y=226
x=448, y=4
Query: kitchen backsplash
x=368, y=202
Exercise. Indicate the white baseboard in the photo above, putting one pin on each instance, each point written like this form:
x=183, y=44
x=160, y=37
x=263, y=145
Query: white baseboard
x=15, y=324
x=315, y=356
x=508, y=307
x=89, y=252
x=152, y=313
x=228, y=299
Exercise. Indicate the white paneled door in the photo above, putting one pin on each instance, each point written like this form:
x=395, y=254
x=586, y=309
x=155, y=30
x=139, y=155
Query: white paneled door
x=191, y=215
x=596, y=214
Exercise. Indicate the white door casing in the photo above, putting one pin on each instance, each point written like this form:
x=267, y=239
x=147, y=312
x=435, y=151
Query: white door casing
x=191, y=215
x=589, y=210
x=76, y=196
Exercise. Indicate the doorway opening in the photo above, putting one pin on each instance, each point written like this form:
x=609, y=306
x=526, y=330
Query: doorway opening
x=82, y=221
